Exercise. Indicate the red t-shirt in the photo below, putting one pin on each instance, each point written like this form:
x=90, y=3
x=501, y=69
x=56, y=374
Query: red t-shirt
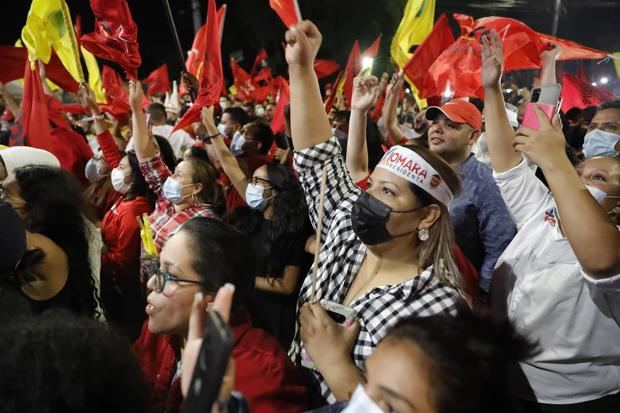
x=264, y=375
x=121, y=235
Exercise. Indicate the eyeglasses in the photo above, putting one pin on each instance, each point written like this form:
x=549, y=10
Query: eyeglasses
x=256, y=180
x=162, y=278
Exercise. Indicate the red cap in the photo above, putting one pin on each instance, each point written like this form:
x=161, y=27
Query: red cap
x=459, y=111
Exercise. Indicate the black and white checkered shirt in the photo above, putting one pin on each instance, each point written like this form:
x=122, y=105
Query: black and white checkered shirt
x=342, y=255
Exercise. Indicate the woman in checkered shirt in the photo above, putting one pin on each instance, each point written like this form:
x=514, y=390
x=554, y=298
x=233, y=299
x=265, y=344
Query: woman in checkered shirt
x=386, y=253
x=190, y=191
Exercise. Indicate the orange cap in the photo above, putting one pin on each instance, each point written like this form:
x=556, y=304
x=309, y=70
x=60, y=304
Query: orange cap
x=459, y=111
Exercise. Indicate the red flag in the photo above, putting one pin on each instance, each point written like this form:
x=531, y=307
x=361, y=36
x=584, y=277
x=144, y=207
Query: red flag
x=457, y=69
x=116, y=35
x=32, y=126
x=13, y=59
x=579, y=94
x=158, y=81
x=438, y=40
x=288, y=10
x=116, y=94
x=196, y=56
x=277, y=123
x=212, y=81
x=522, y=45
x=456, y=72
x=378, y=109
x=324, y=68
x=354, y=65
x=331, y=99
x=373, y=50
x=258, y=61
x=242, y=81
x=574, y=51
x=582, y=75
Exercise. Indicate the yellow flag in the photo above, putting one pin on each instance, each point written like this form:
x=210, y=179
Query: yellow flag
x=617, y=62
x=94, y=76
x=416, y=24
x=48, y=27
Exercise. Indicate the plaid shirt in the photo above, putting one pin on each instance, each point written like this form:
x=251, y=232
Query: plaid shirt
x=165, y=221
x=342, y=255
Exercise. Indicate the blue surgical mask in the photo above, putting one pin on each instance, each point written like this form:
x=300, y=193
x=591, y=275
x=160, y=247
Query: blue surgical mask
x=254, y=197
x=361, y=402
x=173, y=191
x=236, y=145
x=600, y=143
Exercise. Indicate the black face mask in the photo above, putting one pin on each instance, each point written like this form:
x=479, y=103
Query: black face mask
x=369, y=217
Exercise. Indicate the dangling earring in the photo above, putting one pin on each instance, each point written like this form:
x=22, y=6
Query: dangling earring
x=423, y=234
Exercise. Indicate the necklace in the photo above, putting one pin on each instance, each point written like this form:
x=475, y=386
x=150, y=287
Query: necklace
x=365, y=284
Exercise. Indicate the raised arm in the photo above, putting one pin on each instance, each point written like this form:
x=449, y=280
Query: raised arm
x=390, y=119
x=592, y=235
x=548, y=58
x=366, y=90
x=309, y=123
x=105, y=139
x=9, y=100
x=229, y=163
x=143, y=143
x=500, y=134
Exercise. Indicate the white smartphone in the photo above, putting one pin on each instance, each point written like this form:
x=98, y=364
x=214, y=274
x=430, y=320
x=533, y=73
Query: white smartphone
x=341, y=314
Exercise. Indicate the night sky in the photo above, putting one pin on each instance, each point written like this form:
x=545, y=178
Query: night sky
x=251, y=24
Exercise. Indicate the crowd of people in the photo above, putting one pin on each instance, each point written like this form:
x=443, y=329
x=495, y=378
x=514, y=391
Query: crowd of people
x=463, y=263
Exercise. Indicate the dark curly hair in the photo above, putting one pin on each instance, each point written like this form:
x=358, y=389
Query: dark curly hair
x=290, y=218
x=470, y=356
x=54, y=205
x=56, y=362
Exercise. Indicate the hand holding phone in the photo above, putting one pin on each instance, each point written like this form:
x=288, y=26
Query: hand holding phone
x=207, y=351
x=547, y=98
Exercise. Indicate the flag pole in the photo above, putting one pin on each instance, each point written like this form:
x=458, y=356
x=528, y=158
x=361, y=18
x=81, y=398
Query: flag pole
x=175, y=34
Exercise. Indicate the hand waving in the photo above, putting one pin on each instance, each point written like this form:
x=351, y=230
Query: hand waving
x=366, y=91
x=87, y=99
x=302, y=44
x=492, y=60
x=136, y=95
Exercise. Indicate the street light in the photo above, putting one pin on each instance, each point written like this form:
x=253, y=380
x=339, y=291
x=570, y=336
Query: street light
x=604, y=80
x=594, y=84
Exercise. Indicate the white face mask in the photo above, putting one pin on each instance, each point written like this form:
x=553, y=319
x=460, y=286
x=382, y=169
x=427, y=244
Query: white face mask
x=599, y=194
x=362, y=403
x=223, y=104
x=260, y=111
x=254, y=197
x=173, y=191
x=221, y=128
x=600, y=143
x=236, y=145
x=118, y=181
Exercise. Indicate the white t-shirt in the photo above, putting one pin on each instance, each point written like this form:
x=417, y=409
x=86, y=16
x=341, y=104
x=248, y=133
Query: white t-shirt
x=540, y=284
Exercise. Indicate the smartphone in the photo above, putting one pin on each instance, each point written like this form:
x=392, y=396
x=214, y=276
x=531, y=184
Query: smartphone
x=211, y=365
x=547, y=98
x=341, y=314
